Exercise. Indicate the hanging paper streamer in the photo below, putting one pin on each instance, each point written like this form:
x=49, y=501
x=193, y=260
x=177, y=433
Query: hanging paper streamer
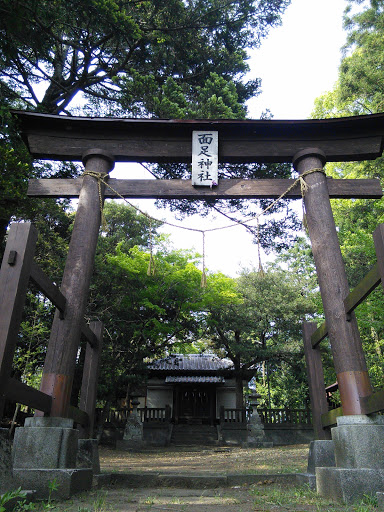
x=151, y=264
x=203, y=275
x=260, y=270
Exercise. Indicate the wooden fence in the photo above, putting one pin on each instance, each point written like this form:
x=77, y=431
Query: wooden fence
x=233, y=415
x=285, y=416
x=17, y=270
x=118, y=417
x=313, y=336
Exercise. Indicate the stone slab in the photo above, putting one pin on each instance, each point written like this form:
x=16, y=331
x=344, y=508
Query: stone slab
x=306, y=479
x=188, y=481
x=235, y=479
x=348, y=485
x=88, y=455
x=5, y=461
x=380, y=500
x=359, y=445
x=321, y=454
x=69, y=481
x=360, y=419
x=43, y=421
x=45, y=448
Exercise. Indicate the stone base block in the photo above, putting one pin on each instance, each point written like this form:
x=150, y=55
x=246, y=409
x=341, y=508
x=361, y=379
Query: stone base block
x=88, y=455
x=5, y=461
x=47, y=443
x=358, y=441
x=232, y=435
x=380, y=500
x=306, y=479
x=348, y=485
x=321, y=454
x=68, y=481
x=157, y=434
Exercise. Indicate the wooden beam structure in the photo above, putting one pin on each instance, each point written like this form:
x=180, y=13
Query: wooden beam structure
x=14, y=278
x=226, y=189
x=60, y=361
x=316, y=385
x=308, y=144
x=348, y=356
x=90, y=377
x=157, y=140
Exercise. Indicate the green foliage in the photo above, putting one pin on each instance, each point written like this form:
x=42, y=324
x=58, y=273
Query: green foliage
x=186, y=41
x=144, y=313
x=260, y=320
x=359, y=91
x=9, y=496
x=167, y=58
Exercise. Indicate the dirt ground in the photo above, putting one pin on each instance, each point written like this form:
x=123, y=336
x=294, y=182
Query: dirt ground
x=285, y=459
x=265, y=495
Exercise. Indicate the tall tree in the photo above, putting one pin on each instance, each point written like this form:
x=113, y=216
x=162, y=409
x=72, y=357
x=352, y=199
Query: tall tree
x=262, y=322
x=163, y=58
x=89, y=46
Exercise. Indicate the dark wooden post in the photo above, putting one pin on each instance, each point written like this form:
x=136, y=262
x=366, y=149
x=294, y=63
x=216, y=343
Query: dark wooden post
x=60, y=360
x=348, y=356
x=378, y=238
x=14, y=277
x=316, y=384
x=88, y=392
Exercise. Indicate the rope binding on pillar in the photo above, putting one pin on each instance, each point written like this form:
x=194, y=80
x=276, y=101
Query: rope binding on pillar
x=100, y=177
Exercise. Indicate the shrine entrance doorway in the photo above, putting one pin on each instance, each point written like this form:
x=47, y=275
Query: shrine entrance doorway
x=195, y=405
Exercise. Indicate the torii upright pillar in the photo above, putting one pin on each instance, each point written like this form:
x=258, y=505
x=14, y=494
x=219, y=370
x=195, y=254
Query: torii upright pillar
x=60, y=360
x=357, y=439
x=347, y=350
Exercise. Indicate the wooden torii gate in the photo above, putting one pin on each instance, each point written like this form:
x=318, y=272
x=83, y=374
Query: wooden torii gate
x=308, y=144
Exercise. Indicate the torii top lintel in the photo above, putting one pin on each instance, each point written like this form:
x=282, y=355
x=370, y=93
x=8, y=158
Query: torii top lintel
x=159, y=140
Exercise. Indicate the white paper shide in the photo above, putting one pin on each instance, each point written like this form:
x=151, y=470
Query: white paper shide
x=205, y=158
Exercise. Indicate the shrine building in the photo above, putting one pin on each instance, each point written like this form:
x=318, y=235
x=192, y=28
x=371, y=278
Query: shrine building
x=195, y=387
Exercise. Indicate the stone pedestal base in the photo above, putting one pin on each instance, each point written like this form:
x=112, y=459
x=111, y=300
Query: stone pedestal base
x=44, y=450
x=349, y=485
x=133, y=434
x=6, y=482
x=321, y=454
x=45, y=443
x=359, y=457
x=88, y=455
x=68, y=481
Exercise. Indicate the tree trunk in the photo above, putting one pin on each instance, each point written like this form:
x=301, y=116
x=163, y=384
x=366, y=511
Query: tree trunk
x=239, y=391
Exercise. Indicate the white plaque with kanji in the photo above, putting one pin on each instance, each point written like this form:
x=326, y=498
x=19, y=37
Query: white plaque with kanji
x=205, y=158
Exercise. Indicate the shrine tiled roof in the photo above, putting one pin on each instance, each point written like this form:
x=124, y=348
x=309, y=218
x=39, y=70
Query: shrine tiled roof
x=191, y=362
x=193, y=379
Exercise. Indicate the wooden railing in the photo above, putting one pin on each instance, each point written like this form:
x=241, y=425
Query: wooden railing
x=232, y=415
x=375, y=402
x=118, y=417
x=155, y=414
x=17, y=269
x=285, y=416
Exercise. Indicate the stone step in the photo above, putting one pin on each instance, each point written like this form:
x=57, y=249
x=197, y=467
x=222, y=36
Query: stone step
x=194, y=435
